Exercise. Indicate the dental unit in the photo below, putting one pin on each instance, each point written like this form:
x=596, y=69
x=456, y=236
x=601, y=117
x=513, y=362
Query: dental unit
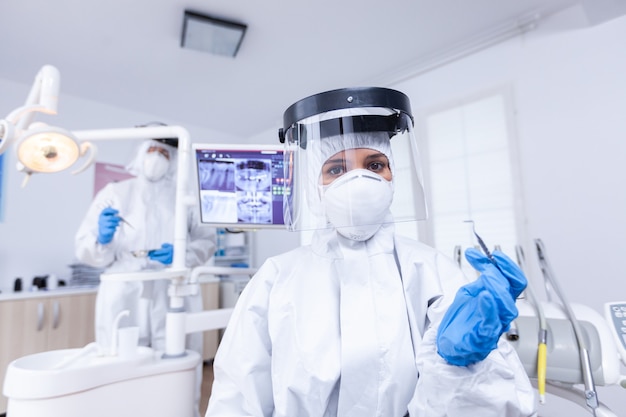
x=88, y=381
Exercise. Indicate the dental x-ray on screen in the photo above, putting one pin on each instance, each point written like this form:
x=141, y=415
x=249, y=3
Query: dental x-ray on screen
x=240, y=186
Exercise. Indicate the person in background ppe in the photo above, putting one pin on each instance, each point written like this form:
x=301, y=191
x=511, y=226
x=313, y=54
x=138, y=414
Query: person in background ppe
x=363, y=321
x=134, y=215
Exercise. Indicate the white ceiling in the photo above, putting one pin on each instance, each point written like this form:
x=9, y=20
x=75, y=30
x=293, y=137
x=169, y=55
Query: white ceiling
x=127, y=53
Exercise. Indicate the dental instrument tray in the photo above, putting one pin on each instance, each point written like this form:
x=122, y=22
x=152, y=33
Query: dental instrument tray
x=615, y=313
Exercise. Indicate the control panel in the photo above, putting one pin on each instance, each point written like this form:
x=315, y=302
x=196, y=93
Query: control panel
x=615, y=313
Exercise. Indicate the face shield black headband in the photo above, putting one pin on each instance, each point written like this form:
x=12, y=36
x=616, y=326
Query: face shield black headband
x=392, y=125
x=347, y=98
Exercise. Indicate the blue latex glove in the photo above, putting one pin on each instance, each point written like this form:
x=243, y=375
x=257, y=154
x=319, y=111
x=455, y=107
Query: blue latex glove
x=107, y=224
x=481, y=310
x=164, y=255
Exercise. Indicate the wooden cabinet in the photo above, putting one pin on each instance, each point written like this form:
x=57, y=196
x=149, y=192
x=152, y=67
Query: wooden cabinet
x=42, y=323
x=210, y=301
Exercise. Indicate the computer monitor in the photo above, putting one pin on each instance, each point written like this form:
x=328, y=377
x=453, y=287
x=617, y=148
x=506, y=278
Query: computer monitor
x=240, y=186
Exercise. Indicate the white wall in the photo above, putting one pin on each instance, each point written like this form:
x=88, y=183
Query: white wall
x=569, y=87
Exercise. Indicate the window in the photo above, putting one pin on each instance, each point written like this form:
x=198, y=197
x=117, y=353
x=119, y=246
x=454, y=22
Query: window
x=472, y=175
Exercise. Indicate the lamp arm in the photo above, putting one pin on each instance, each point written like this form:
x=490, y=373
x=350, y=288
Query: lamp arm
x=48, y=83
x=16, y=116
x=84, y=148
x=26, y=178
x=15, y=123
x=180, y=213
x=43, y=97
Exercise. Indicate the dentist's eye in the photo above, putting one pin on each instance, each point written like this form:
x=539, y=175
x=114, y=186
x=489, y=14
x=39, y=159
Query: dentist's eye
x=377, y=166
x=335, y=171
x=332, y=170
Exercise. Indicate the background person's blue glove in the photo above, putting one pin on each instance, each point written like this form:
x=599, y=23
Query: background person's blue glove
x=481, y=310
x=107, y=224
x=163, y=255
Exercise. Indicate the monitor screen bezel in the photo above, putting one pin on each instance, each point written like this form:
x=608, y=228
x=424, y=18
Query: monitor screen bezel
x=235, y=147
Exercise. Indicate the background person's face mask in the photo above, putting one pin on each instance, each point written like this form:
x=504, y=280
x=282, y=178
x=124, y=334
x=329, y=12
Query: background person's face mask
x=357, y=203
x=155, y=166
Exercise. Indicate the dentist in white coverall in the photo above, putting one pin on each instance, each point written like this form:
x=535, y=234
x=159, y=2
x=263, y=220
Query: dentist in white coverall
x=362, y=321
x=104, y=240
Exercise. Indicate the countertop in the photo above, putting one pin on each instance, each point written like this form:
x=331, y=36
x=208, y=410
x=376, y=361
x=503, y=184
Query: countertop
x=20, y=295
x=70, y=290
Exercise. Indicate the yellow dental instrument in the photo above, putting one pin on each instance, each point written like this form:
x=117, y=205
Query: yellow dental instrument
x=542, y=348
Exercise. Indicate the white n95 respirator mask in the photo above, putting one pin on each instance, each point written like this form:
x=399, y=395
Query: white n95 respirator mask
x=155, y=166
x=357, y=203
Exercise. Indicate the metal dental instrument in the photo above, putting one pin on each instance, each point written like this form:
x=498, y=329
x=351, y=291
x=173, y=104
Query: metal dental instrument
x=542, y=348
x=109, y=203
x=123, y=220
x=482, y=245
x=590, y=393
x=141, y=253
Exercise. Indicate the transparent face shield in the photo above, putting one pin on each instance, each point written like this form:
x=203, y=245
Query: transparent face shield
x=351, y=168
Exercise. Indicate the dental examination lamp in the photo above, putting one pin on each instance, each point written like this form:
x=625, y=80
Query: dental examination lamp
x=45, y=149
x=39, y=147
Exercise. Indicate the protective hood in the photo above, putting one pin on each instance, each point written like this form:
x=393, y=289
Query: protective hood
x=318, y=127
x=136, y=165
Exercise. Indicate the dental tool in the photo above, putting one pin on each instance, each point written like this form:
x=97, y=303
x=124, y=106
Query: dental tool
x=123, y=220
x=142, y=253
x=542, y=348
x=590, y=393
x=484, y=247
x=108, y=204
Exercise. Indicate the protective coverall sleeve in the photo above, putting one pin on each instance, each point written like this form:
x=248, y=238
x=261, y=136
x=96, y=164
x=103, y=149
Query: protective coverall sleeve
x=242, y=384
x=495, y=387
x=87, y=248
